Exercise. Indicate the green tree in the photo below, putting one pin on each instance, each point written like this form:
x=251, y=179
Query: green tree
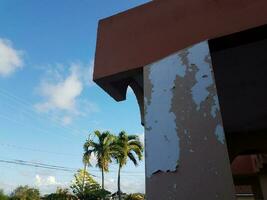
x=25, y=193
x=127, y=146
x=103, y=149
x=136, y=196
x=60, y=194
x=86, y=188
x=2, y=195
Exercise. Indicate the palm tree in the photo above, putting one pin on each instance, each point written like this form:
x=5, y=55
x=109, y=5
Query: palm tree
x=103, y=149
x=86, y=163
x=127, y=146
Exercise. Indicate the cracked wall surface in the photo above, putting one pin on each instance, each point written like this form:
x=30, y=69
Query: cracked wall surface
x=186, y=153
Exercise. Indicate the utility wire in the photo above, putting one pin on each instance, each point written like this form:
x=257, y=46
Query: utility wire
x=34, y=116
x=37, y=150
x=43, y=166
x=76, y=155
x=19, y=162
x=28, y=107
x=59, y=168
x=31, y=113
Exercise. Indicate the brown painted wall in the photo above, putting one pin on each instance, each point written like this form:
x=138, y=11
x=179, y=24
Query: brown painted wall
x=186, y=152
x=157, y=29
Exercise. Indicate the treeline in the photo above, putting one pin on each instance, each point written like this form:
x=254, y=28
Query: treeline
x=83, y=187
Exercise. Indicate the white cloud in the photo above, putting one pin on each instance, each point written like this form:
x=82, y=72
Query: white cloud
x=10, y=58
x=61, y=95
x=87, y=107
x=110, y=184
x=45, y=180
x=87, y=73
x=62, y=90
x=66, y=120
x=48, y=183
x=133, y=185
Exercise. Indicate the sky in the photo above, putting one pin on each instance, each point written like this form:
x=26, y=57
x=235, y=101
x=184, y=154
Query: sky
x=48, y=102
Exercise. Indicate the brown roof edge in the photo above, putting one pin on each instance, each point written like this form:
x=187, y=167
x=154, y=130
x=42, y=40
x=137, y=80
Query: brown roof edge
x=140, y=36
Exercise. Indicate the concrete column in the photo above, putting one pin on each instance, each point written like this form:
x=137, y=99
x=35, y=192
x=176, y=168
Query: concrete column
x=186, y=153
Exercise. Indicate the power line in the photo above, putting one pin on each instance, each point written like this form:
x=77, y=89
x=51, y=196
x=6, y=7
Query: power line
x=36, y=165
x=37, y=150
x=59, y=168
x=30, y=111
x=42, y=165
x=31, y=115
x=76, y=155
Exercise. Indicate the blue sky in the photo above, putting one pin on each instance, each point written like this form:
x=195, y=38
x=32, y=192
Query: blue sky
x=48, y=102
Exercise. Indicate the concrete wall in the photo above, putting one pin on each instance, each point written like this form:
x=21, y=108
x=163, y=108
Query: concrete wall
x=186, y=153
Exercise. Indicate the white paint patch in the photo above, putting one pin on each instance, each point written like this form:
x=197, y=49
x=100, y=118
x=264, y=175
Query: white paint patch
x=162, y=142
x=219, y=132
x=215, y=108
x=197, y=56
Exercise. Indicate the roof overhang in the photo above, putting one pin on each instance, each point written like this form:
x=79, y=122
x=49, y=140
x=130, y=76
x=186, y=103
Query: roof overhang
x=130, y=40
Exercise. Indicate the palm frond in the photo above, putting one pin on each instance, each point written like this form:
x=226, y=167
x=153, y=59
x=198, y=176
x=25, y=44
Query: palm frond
x=132, y=158
x=97, y=133
x=136, y=143
x=133, y=137
x=87, y=157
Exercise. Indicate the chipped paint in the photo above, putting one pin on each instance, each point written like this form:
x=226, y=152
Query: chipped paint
x=215, y=108
x=159, y=120
x=219, y=132
x=203, y=76
x=182, y=125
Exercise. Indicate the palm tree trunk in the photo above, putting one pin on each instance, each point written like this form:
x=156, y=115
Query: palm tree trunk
x=103, y=184
x=119, y=182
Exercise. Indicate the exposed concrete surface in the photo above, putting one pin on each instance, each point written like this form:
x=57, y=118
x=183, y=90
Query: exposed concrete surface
x=183, y=129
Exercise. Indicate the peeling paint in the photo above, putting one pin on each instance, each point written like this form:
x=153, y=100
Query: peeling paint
x=159, y=120
x=183, y=101
x=215, y=108
x=219, y=132
x=203, y=76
